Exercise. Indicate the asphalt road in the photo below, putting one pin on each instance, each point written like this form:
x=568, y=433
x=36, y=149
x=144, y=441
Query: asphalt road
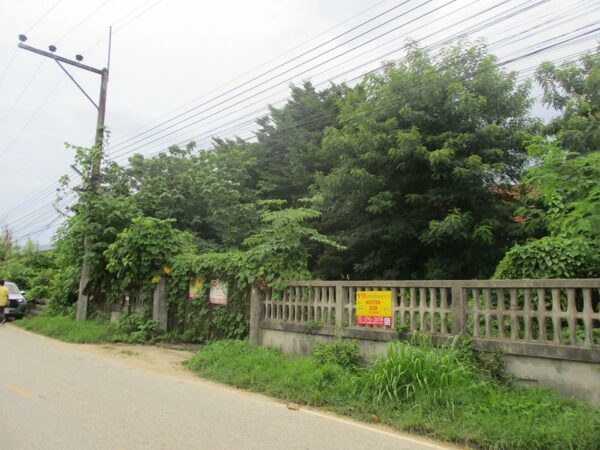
x=55, y=396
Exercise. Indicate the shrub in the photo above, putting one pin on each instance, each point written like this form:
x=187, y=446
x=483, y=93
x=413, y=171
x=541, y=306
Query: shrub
x=132, y=328
x=341, y=353
x=551, y=257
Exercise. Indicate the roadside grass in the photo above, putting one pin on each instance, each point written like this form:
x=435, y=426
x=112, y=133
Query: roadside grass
x=436, y=392
x=69, y=330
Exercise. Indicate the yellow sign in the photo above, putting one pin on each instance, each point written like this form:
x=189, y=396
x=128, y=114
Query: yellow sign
x=195, y=287
x=374, y=307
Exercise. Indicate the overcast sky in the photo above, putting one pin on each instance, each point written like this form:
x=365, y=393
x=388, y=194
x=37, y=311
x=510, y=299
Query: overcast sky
x=174, y=61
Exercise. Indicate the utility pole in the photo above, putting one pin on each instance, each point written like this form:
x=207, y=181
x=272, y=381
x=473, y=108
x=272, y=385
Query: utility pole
x=94, y=182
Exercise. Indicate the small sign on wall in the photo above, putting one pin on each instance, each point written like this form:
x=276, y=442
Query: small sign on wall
x=218, y=292
x=195, y=287
x=374, y=308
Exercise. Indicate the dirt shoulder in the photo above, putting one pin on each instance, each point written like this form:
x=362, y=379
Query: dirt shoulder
x=165, y=361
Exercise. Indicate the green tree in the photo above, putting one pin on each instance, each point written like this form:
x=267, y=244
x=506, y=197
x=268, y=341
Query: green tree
x=426, y=154
x=288, y=151
x=574, y=90
x=562, y=204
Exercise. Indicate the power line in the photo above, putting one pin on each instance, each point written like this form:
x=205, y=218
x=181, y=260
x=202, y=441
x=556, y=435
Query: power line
x=85, y=19
x=24, y=91
x=262, y=83
x=10, y=61
x=43, y=17
x=255, y=68
x=287, y=62
x=35, y=113
x=325, y=116
x=379, y=58
x=121, y=152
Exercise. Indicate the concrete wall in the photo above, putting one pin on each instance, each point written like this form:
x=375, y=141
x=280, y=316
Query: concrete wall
x=576, y=379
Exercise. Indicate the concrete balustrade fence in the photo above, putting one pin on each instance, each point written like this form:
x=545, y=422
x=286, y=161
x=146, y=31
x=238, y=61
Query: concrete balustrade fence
x=548, y=329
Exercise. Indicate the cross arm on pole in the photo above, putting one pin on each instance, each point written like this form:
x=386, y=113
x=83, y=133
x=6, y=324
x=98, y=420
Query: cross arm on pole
x=60, y=58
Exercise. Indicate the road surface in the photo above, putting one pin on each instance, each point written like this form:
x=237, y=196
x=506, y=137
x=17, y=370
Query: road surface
x=61, y=396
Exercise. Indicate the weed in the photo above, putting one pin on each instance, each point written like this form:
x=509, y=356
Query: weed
x=342, y=353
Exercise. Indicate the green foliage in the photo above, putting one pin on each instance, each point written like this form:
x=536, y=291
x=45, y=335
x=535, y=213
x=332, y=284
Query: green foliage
x=143, y=251
x=563, y=184
x=423, y=155
x=31, y=269
x=564, y=192
x=342, y=353
x=274, y=254
x=574, y=89
x=471, y=410
x=136, y=329
x=551, y=257
x=278, y=251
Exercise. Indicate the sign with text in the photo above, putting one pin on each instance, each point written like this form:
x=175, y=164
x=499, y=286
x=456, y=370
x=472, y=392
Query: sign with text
x=374, y=308
x=195, y=287
x=218, y=293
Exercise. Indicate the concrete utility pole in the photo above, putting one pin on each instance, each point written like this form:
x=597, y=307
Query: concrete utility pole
x=82, y=300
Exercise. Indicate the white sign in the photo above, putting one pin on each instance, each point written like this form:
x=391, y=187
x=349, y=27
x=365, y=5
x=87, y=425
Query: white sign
x=218, y=292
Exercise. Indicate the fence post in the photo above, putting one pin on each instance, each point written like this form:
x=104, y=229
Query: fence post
x=159, y=304
x=459, y=313
x=256, y=299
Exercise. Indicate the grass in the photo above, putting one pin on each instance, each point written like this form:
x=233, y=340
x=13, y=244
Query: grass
x=435, y=392
x=69, y=330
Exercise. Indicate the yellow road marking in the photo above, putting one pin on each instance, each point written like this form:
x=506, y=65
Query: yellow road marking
x=20, y=391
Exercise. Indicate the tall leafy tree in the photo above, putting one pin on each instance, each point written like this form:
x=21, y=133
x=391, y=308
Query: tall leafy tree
x=288, y=151
x=425, y=156
x=574, y=90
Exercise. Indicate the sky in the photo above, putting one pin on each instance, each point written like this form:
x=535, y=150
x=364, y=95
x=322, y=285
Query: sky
x=185, y=69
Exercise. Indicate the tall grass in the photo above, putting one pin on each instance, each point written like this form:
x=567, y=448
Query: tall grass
x=437, y=392
x=411, y=371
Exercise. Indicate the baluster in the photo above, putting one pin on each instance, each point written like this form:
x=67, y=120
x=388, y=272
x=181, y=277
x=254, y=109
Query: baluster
x=475, y=293
x=572, y=313
x=444, y=309
x=488, y=313
x=587, y=317
x=556, y=315
x=413, y=309
x=500, y=312
x=541, y=314
x=432, y=309
x=527, y=311
x=514, y=320
x=422, y=305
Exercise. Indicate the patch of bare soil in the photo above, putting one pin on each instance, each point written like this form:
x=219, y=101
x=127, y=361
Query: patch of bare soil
x=166, y=361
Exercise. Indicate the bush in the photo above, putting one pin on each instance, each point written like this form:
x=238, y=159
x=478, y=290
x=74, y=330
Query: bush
x=137, y=329
x=341, y=353
x=551, y=257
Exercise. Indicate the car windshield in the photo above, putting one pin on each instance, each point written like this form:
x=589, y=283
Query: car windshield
x=12, y=288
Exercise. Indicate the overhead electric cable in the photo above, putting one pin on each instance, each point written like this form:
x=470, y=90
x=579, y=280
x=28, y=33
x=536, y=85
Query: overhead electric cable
x=294, y=59
x=43, y=17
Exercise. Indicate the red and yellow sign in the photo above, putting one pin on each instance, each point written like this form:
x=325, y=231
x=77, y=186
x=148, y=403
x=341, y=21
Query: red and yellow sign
x=374, y=308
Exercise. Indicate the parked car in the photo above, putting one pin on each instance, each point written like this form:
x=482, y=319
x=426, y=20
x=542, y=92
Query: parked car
x=16, y=301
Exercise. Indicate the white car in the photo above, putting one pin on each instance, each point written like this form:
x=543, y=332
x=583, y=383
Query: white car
x=16, y=301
